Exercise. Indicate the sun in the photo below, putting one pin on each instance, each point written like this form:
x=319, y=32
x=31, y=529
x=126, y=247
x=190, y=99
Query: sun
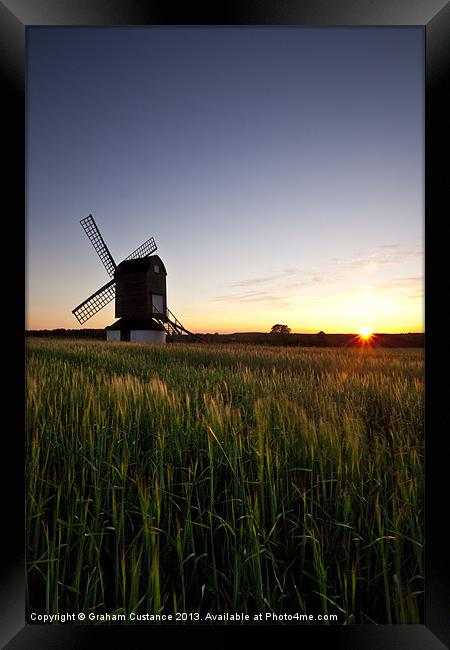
x=365, y=332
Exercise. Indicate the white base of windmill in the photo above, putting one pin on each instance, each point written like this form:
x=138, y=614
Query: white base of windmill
x=136, y=331
x=113, y=335
x=147, y=336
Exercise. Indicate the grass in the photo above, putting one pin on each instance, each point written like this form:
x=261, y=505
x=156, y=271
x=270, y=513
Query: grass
x=241, y=479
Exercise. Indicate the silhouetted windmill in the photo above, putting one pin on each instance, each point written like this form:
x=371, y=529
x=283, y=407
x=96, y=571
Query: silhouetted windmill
x=139, y=286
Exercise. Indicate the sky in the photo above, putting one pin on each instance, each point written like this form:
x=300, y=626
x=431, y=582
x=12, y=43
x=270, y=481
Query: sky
x=279, y=169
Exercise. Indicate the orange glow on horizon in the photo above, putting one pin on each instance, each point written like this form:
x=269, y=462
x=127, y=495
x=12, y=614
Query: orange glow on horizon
x=238, y=323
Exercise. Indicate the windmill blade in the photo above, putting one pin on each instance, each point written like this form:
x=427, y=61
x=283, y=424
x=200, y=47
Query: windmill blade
x=91, y=230
x=146, y=249
x=94, y=303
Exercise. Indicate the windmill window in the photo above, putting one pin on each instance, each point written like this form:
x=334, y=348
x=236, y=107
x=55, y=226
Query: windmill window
x=156, y=268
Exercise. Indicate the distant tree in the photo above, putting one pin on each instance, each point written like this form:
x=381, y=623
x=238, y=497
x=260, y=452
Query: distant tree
x=280, y=329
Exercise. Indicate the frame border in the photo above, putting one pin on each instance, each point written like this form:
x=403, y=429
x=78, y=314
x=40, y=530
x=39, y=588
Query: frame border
x=434, y=16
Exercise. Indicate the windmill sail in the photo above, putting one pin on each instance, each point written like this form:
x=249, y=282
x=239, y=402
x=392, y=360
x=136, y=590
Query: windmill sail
x=91, y=230
x=146, y=249
x=105, y=294
x=94, y=303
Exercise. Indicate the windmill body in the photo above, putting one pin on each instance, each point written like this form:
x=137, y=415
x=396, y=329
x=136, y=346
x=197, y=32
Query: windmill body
x=141, y=288
x=138, y=286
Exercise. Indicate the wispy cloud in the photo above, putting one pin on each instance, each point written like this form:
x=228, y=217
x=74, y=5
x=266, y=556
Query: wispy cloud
x=389, y=256
x=409, y=282
x=267, y=279
x=311, y=282
x=254, y=297
x=252, y=281
x=409, y=287
x=279, y=288
x=283, y=287
x=398, y=288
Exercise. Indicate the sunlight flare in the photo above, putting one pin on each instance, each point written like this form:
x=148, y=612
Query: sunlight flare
x=365, y=332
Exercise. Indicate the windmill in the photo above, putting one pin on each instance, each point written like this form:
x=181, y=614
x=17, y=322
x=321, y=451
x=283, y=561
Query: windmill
x=138, y=285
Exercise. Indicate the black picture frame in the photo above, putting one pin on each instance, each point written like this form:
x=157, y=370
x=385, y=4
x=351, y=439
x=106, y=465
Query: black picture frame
x=15, y=17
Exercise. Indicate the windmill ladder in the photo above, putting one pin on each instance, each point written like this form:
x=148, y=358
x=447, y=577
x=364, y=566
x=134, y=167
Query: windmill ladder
x=171, y=323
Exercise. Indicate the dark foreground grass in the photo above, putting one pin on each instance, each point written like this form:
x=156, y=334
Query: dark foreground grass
x=190, y=478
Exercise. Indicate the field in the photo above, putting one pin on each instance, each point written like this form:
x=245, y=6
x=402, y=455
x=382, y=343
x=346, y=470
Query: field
x=196, y=478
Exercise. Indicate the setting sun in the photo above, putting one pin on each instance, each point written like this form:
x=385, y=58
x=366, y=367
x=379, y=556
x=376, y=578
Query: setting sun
x=365, y=332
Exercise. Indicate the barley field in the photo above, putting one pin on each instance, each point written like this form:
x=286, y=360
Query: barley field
x=202, y=478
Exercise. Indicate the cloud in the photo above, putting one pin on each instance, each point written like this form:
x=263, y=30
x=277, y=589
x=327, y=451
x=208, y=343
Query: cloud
x=407, y=287
x=252, y=297
x=279, y=288
x=266, y=279
x=311, y=282
x=390, y=255
x=408, y=282
x=252, y=281
x=283, y=287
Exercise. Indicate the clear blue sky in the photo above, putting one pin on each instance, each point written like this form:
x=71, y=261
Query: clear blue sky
x=280, y=171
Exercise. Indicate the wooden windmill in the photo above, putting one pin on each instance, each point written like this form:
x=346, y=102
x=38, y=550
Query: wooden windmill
x=138, y=286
